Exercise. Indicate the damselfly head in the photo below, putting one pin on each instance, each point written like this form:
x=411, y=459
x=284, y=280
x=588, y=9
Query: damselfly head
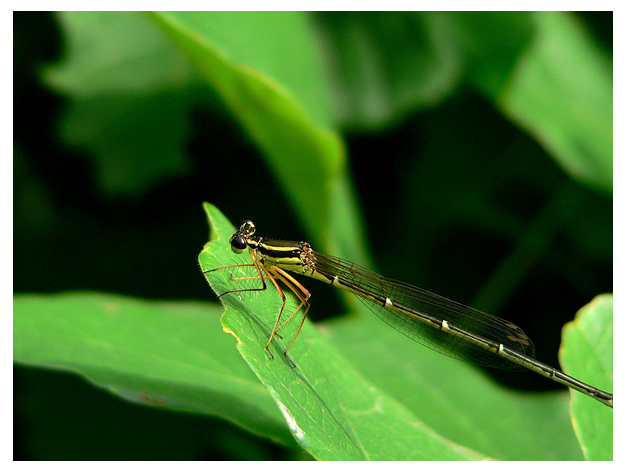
x=239, y=240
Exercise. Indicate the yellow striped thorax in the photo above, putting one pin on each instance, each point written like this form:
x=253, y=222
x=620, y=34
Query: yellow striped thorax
x=292, y=256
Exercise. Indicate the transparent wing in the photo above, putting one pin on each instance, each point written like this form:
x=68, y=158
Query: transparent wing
x=426, y=303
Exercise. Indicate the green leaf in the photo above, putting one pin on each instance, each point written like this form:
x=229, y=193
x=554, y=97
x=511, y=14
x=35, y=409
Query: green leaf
x=279, y=45
x=170, y=355
x=307, y=158
x=561, y=92
x=128, y=91
x=542, y=69
x=587, y=353
x=333, y=412
x=352, y=397
x=492, y=43
x=456, y=399
x=387, y=65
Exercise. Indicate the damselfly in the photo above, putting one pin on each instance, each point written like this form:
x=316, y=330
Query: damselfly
x=436, y=322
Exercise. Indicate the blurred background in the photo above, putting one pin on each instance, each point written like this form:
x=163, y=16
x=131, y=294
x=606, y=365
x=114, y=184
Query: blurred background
x=458, y=188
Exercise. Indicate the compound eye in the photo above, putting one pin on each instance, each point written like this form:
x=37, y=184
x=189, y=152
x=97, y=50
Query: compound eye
x=238, y=244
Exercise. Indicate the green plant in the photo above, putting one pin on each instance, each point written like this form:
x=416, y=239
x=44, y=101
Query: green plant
x=540, y=71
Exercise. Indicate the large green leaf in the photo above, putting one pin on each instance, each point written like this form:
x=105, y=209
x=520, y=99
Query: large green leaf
x=359, y=390
x=587, y=353
x=438, y=403
x=333, y=412
x=387, y=65
x=128, y=94
x=466, y=406
x=561, y=92
x=542, y=69
x=171, y=355
x=279, y=45
x=307, y=158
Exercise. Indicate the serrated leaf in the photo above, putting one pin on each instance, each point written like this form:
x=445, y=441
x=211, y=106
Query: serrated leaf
x=587, y=353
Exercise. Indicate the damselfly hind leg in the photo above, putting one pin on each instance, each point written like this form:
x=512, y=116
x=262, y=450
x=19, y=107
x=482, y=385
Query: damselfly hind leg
x=277, y=275
x=303, y=295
